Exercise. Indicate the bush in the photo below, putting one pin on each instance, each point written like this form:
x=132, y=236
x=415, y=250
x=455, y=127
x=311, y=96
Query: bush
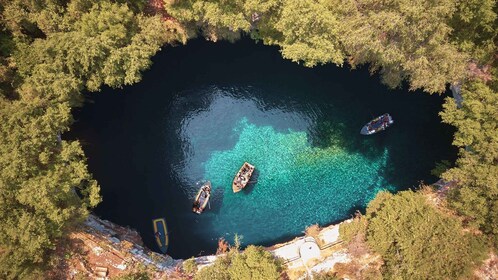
x=253, y=263
x=190, y=266
x=142, y=275
x=348, y=231
x=412, y=236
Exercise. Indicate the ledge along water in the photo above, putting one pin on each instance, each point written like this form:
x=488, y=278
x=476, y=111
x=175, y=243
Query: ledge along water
x=203, y=109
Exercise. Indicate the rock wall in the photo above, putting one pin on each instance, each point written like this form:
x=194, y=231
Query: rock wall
x=100, y=249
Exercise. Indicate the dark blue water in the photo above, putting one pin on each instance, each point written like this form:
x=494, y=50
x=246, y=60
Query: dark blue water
x=203, y=109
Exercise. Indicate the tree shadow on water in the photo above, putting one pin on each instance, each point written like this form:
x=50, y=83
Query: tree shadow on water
x=328, y=134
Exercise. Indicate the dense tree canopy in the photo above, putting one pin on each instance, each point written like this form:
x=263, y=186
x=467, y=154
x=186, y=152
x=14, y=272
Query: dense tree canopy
x=416, y=240
x=403, y=39
x=477, y=167
x=45, y=186
x=55, y=50
x=406, y=39
x=474, y=28
x=107, y=45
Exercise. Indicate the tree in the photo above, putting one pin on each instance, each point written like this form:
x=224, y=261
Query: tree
x=402, y=39
x=475, y=29
x=253, y=263
x=217, y=19
x=107, y=45
x=476, y=170
x=309, y=33
x=45, y=186
x=189, y=266
x=412, y=236
x=406, y=40
x=59, y=48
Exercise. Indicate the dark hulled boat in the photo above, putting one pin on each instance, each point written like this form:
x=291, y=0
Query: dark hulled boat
x=242, y=178
x=378, y=124
x=202, y=198
x=161, y=234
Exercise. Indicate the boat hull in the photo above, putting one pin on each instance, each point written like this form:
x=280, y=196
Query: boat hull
x=242, y=177
x=376, y=125
x=161, y=234
x=202, y=198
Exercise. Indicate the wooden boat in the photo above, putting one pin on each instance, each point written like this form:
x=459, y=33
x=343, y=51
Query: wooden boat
x=202, y=198
x=242, y=178
x=161, y=234
x=378, y=124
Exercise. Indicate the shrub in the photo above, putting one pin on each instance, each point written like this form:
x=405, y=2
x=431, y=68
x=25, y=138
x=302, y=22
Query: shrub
x=253, y=263
x=412, y=236
x=190, y=266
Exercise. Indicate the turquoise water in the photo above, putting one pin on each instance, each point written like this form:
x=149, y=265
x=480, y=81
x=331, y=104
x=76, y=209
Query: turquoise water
x=296, y=183
x=204, y=109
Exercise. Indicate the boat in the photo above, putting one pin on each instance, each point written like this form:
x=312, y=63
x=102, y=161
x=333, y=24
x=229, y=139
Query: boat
x=241, y=180
x=161, y=234
x=378, y=124
x=202, y=198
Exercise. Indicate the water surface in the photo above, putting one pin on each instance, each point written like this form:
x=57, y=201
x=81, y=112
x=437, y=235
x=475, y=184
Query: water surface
x=203, y=109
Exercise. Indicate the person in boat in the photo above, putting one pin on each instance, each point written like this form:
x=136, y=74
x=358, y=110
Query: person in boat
x=385, y=121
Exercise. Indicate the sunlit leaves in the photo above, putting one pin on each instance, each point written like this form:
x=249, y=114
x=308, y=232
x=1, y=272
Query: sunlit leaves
x=109, y=45
x=412, y=235
x=60, y=50
x=476, y=170
x=253, y=263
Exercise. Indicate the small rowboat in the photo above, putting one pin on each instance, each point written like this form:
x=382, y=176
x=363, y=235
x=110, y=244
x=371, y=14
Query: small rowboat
x=202, y=198
x=378, y=124
x=161, y=234
x=242, y=178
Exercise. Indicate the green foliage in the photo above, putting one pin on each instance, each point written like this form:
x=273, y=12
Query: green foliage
x=57, y=49
x=476, y=170
x=307, y=31
x=310, y=33
x=475, y=28
x=141, y=275
x=107, y=45
x=216, y=19
x=412, y=236
x=406, y=40
x=45, y=186
x=349, y=230
x=440, y=168
x=402, y=39
x=253, y=263
x=190, y=266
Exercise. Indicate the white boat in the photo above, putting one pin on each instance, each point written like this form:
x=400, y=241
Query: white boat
x=242, y=177
x=202, y=198
x=378, y=124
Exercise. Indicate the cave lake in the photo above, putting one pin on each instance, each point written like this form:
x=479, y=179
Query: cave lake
x=203, y=109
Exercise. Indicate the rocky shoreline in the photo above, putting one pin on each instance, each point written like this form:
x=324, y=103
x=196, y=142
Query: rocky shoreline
x=103, y=250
